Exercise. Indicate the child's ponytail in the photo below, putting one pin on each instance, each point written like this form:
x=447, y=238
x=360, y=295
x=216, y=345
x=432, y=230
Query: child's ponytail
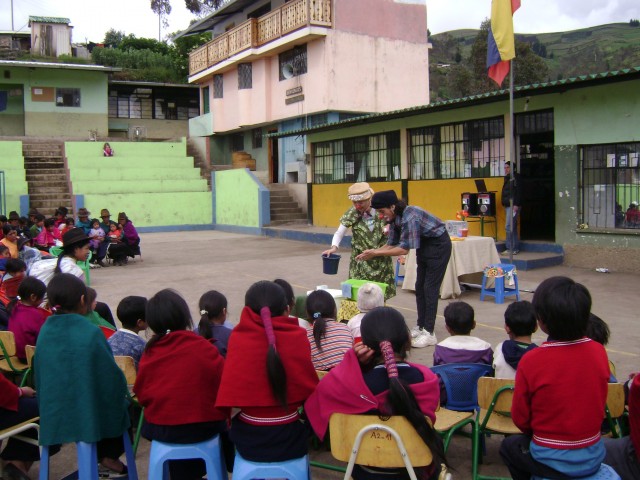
x=320, y=306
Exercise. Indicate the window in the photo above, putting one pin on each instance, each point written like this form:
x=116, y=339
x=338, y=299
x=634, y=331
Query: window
x=217, y=86
x=368, y=158
x=461, y=150
x=205, y=100
x=610, y=185
x=244, y=76
x=237, y=142
x=295, y=61
x=257, y=138
x=127, y=101
x=67, y=97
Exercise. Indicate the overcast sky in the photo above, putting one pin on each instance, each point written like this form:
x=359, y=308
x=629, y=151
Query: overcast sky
x=91, y=19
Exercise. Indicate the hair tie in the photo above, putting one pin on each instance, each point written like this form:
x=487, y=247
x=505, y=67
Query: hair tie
x=167, y=332
x=389, y=358
x=18, y=297
x=317, y=315
x=265, y=314
x=203, y=312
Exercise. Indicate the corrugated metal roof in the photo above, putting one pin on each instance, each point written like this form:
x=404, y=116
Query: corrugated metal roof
x=524, y=90
x=34, y=18
x=64, y=66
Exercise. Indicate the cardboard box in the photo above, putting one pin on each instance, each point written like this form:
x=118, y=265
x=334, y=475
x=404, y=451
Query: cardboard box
x=454, y=227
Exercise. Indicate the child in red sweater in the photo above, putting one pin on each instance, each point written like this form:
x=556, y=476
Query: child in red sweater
x=560, y=391
x=27, y=318
x=178, y=368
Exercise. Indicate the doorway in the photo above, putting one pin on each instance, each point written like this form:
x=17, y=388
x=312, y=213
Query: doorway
x=273, y=158
x=535, y=143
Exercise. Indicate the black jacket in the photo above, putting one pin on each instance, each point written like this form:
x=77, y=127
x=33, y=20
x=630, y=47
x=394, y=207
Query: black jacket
x=510, y=190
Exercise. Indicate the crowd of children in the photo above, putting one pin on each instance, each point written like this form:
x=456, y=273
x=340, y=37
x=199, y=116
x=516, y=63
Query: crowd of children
x=257, y=386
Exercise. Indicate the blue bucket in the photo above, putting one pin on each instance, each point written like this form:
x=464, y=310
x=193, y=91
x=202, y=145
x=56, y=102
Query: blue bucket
x=330, y=263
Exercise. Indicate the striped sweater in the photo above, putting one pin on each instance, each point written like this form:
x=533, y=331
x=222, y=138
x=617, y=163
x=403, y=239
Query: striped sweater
x=334, y=344
x=560, y=393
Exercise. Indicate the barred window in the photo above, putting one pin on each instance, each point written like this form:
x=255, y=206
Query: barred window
x=295, y=61
x=152, y=103
x=461, y=150
x=257, y=138
x=245, y=76
x=374, y=158
x=610, y=185
x=217, y=86
x=67, y=97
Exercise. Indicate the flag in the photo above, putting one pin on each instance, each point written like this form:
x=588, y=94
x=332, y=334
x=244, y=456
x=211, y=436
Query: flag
x=501, y=42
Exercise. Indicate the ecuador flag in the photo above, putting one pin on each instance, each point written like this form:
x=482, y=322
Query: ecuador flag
x=500, y=42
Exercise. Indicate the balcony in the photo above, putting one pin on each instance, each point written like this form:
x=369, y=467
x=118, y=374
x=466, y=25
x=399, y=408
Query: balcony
x=257, y=32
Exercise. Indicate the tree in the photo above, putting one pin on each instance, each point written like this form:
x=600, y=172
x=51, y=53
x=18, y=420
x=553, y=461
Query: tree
x=113, y=38
x=163, y=7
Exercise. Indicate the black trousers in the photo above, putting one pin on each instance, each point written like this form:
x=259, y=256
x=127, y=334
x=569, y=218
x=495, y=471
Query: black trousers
x=15, y=449
x=517, y=457
x=432, y=259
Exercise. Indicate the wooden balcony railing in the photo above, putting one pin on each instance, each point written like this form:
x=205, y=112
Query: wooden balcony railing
x=257, y=32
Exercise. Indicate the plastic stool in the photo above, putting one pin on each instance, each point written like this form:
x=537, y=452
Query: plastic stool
x=399, y=278
x=88, y=460
x=500, y=290
x=209, y=451
x=604, y=473
x=296, y=469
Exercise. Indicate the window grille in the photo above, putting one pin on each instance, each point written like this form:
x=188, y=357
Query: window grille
x=245, y=79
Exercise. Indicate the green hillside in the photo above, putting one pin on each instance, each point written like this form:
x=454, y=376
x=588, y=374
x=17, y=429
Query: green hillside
x=567, y=54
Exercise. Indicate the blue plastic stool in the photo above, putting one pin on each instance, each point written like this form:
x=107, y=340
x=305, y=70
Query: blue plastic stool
x=296, y=469
x=209, y=451
x=500, y=291
x=88, y=460
x=604, y=473
x=399, y=277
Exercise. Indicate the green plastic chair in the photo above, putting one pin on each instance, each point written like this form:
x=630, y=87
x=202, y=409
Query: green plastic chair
x=56, y=251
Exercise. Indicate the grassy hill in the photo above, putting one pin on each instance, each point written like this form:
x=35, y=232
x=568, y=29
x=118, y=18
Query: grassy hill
x=567, y=54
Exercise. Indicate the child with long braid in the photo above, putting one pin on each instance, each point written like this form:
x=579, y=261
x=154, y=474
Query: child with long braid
x=269, y=427
x=386, y=385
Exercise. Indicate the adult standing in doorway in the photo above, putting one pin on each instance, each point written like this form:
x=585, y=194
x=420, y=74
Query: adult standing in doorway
x=413, y=227
x=367, y=233
x=512, y=203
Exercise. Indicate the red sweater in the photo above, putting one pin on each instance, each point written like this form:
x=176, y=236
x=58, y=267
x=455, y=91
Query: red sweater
x=9, y=394
x=178, y=380
x=560, y=393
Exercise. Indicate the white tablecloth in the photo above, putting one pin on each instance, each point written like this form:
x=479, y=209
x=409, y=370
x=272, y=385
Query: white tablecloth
x=468, y=256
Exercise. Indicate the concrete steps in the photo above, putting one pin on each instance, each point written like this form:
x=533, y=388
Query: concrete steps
x=284, y=209
x=47, y=180
x=534, y=255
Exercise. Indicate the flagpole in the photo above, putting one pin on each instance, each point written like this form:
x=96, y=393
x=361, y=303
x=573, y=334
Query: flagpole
x=512, y=157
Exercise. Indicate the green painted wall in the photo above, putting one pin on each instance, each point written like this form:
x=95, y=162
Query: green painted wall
x=15, y=182
x=156, y=184
x=12, y=118
x=237, y=195
x=45, y=119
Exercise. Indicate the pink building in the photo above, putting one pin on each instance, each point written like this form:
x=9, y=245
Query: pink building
x=288, y=64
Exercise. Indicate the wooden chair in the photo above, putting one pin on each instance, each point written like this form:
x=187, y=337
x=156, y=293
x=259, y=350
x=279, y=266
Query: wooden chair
x=9, y=363
x=30, y=351
x=495, y=396
x=368, y=440
x=321, y=374
x=128, y=366
x=614, y=408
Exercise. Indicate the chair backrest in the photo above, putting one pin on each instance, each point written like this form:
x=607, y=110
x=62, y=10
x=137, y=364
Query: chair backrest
x=378, y=447
x=321, y=374
x=29, y=351
x=487, y=389
x=128, y=367
x=461, y=383
x=8, y=342
x=615, y=400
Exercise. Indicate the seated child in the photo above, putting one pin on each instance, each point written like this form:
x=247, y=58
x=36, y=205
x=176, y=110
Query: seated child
x=49, y=236
x=519, y=323
x=560, y=391
x=126, y=341
x=96, y=236
x=107, y=151
x=461, y=347
x=38, y=225
x=329, y=339
x=14, y=273
x=115, y=233
x=5, y=255
x=598, y=331
x=370, y=296
x=288, y=290
x=93, y=316
x=69, y=223
x=389, y=385
x=177, y=382
x=268, y=381
x=27, y=318
x=91, y=405
x=213, y=314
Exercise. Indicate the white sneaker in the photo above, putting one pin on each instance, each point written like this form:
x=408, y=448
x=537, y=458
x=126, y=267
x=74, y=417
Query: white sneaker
x=415, y=331
x=424, y=339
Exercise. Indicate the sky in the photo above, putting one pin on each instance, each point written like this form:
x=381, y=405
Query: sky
x=91, y=19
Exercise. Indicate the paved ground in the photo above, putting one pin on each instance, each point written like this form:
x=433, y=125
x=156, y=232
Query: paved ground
x=194, y=262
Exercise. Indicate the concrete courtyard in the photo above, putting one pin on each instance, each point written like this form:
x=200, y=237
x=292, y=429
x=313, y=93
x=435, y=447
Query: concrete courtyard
x=194, y=262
